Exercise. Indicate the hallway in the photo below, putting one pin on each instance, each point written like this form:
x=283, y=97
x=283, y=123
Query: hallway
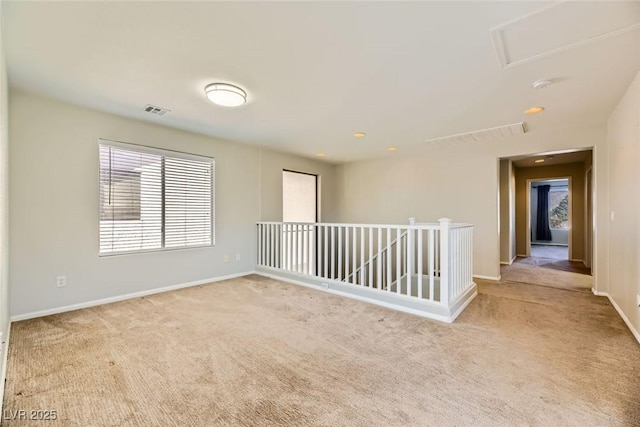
x=550, y=251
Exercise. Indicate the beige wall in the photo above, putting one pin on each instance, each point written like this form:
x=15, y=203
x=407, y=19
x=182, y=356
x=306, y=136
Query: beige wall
x=624, y=200
x=573, y=170
x=459, y=181
x=271, y=166
x=54, y=205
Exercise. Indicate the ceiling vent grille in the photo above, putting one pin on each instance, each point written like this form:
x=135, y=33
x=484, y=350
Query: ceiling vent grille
x=481, y=135
x=158, y=111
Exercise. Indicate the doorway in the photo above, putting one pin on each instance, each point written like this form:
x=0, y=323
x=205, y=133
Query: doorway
x=524, y=257
x=299, y=211
x=299, y=197
x=549, y=218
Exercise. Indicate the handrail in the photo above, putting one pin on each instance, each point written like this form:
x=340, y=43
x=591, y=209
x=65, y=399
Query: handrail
x=373, y=258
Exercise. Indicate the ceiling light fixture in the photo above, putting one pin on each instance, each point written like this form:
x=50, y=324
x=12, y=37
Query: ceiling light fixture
x=359, y=135
x=541, y=84
x=538, y=161
x=392, y=149
x=225, y=95
x=534, y=110
x=320, y=154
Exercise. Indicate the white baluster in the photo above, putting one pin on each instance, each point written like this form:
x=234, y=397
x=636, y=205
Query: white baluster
x=259, y=244
x=370, y=257
x=389, y=253
x=445, y=224
x=379, y=261
x=409, y=259
x=419, y=263
x=398, y=260
x=326, y=252
x=333, y=252
x=362, y=267
x=355, y=251
x=339, y=253
x=431, y=258
x=347, y=254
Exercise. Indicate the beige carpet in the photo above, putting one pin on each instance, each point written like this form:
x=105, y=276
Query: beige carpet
x=554, y=264
x=254, y=351
x=523, y=272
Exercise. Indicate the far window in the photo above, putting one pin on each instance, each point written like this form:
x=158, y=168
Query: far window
x=154, y=199
x=559, y=208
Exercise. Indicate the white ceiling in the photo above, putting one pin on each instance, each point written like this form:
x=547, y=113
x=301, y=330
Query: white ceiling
x=316, y=72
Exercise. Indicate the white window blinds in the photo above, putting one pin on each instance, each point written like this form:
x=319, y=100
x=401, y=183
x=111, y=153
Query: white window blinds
x=153, y=199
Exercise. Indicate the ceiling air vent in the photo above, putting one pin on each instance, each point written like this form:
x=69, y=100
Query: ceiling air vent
x=482, y=134
x=156, y=110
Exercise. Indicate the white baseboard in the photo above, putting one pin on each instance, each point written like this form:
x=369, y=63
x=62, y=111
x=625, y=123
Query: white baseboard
x=117, y=298
x=582, y=261
x=633, y=330
x=479, y=276
x=599, y=293
x=510, y=262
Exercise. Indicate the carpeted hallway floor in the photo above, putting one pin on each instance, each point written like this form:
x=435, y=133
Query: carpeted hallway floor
x=255, y=351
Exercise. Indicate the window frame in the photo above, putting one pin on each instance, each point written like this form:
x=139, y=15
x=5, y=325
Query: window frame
x=558, y=190
x=160, y=152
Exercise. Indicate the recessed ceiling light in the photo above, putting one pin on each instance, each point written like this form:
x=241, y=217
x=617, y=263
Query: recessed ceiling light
x=320, y=154
x=541, y=84
x=539, y=161
x=392, y=149
x=359, y=135
x=534, y=110
x=225, y=94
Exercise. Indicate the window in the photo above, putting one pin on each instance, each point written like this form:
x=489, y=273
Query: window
x=154, y=199
x=559, y=208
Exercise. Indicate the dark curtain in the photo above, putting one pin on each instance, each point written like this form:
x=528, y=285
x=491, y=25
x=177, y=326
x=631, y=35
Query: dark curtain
x=543, y=232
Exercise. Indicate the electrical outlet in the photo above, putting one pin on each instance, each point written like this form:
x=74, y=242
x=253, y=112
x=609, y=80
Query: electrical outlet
x=226, y=258
x=237, y=257
x=61, y=281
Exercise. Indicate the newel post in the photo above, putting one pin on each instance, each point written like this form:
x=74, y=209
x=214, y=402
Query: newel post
x=445, y=225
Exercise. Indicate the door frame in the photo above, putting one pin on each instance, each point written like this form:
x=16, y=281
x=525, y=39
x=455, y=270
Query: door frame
x=589, y=226
x=528, y=212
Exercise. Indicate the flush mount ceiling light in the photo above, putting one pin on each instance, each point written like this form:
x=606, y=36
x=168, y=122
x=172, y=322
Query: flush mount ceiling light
x=392, y=149
x=534, y=110
x=225, y=95
x=320, y=154
x=538, y=161
x=359, y=135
